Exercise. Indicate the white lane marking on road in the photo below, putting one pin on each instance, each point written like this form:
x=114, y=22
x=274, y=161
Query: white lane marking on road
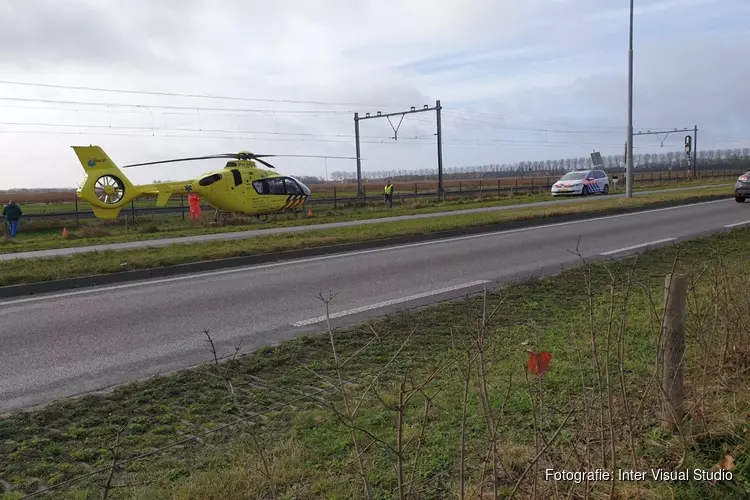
x=389, y=303
x=345, y=254
x=625, y=249
x=737, y=224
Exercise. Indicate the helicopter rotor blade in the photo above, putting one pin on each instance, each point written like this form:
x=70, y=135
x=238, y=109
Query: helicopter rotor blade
x=264, y=162
x=238, y=156
x=313, y=156
x=211, y=157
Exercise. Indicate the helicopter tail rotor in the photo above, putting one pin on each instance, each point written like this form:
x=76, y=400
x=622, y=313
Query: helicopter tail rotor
x=105, y=187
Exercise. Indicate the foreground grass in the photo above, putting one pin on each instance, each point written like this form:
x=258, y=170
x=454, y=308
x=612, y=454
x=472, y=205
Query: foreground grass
x=47, y=233
x=466, y=360
x=103, y=262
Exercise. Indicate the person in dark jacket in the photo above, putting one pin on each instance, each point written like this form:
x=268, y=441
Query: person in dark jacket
x=12, y=214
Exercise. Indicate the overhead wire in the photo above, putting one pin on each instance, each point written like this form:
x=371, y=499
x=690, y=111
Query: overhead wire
x=195, y=96
x=464, y=119
x=493, y=116
x=215, y=137
x=178, y=129
x=404, y=141
x=165, y=106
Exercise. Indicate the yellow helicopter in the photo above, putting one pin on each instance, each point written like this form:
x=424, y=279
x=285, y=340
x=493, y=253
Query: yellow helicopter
x=240, y=187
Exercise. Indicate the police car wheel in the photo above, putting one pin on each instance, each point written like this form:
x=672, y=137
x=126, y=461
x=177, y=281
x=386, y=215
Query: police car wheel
x=585, y=191
x=606, y=189
x=739, y=199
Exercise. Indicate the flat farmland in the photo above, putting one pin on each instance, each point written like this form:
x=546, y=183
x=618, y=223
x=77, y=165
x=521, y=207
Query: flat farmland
x=530, y=181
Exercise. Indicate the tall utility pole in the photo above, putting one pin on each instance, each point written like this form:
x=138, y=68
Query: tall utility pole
x=629, y=148
x=367, y=116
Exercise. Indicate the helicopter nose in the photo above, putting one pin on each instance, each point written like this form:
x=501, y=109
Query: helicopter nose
x=305, y=189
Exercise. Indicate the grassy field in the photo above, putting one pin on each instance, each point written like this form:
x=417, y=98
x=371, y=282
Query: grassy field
x=109, y=261
x=430, y=403
x=51, y=203
x=40, y=234
x=64, y=201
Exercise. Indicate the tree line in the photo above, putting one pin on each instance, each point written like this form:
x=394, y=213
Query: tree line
x=710, y=159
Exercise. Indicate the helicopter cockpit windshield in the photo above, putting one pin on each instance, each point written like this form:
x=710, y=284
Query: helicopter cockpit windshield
x=281, y=185
x=293, y=186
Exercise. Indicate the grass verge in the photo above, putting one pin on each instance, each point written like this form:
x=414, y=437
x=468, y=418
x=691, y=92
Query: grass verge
x=104, y=262
x=42, y=234
x=437, y=401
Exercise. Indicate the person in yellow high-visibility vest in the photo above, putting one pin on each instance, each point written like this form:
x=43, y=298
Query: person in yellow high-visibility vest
x=388, y=192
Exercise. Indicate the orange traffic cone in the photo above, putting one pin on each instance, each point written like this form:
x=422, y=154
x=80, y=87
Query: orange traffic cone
x=309, y=212
x=65, y=233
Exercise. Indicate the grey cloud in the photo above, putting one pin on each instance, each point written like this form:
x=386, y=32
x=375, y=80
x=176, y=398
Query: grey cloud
x=48, y=29
x=101, y=34
x=703, y=82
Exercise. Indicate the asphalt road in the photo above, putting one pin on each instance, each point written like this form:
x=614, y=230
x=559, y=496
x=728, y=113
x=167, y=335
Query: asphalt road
x=68, y=343
x=314, y=227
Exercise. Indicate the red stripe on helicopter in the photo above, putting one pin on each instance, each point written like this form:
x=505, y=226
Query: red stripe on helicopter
x=298, y=201
x=289, y=201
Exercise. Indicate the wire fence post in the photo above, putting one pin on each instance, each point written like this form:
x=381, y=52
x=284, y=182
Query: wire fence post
x=673, y=351
x=78, y=220
x=334, y=198
x=182, y=206
x=132, y=209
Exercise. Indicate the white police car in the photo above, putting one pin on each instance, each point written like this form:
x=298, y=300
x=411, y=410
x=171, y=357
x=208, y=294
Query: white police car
x=582, y=182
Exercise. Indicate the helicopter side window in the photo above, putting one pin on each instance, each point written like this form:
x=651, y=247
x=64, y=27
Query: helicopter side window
x=237, y=177
x=275, y=186
x=260, y=187
x=207, y=181
x=292, y=187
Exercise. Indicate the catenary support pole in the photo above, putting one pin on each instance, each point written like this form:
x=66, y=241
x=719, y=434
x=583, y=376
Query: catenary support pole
x=358, y=118
x=695, y=151
x=629, y=154
x=439, y=150
x=359, y=159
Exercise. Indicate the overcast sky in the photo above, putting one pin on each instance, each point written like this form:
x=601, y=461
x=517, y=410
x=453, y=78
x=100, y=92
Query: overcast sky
x=518, y=80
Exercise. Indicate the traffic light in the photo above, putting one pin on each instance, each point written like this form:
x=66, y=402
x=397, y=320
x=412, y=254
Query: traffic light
x=688, y=144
